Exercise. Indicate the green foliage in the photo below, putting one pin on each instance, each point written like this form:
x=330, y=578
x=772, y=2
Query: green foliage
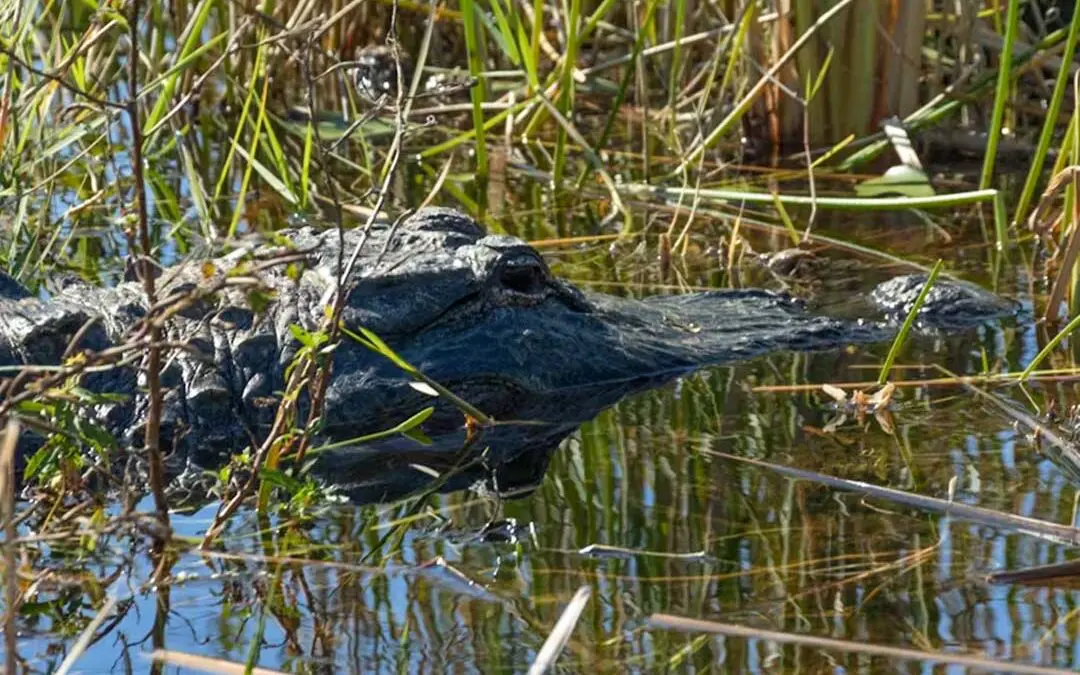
x=61, y=458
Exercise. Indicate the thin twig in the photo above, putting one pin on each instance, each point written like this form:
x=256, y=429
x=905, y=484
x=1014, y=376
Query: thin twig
x=151, y=439
x=7, y=502
x=344, y=271
x=679, y=623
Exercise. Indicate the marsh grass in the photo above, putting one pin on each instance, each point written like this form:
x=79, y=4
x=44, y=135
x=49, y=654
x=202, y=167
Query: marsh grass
x=151, y=133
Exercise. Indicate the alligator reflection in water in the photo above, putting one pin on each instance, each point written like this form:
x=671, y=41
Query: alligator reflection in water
x=480, y=314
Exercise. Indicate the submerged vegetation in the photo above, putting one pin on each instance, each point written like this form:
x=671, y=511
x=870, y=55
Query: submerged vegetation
x=820, y=511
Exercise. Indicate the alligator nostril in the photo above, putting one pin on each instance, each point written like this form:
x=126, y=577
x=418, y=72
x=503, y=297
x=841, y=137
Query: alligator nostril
x=527, y=279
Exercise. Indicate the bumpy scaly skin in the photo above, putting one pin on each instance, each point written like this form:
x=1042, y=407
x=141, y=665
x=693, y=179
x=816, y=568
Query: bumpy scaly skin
x=949, y=305
x=480, y=314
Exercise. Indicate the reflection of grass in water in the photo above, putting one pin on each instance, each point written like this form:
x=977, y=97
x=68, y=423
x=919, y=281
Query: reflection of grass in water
x=667, y=499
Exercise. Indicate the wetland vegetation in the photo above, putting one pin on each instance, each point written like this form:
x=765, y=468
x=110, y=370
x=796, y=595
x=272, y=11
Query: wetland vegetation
x=876, y=508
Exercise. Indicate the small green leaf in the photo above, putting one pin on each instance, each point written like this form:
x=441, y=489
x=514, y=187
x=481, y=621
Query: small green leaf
x=280, y=479
x=38, y=460
x=302, y=336
x=418, y=436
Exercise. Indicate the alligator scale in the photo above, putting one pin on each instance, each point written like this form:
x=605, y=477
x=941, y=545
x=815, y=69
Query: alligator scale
x=480, y=314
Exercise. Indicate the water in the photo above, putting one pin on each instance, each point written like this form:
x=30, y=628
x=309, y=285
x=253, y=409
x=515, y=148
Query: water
x=674, y=528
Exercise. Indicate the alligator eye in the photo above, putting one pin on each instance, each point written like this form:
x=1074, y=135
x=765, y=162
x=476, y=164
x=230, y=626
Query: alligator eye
x=526, y=279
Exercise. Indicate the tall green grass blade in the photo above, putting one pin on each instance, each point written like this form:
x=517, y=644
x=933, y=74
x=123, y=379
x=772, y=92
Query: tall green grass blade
x=305, y=165
x=278, y=156
x=1050, y=346
x=598, y=15
x=566, y=90
x=909, y=321
x=479, y=92
x=1001, y=94
x=528, y=60
x=502, y=32
x=241, y=122
x=250, y=155
x=819, y=80
x=1068, y=144
x=534, y=41
x=194, y=38
x=785, y=219
x=1053, y=110
x=676, y=56
x=267, y=174
x=197, y=189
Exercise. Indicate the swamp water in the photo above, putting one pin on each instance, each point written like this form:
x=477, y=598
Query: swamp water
x=640, y=507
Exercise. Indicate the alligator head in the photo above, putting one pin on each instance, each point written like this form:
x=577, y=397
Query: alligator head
x=480, y=314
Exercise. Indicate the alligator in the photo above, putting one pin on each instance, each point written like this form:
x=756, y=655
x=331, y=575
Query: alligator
x=480, y=314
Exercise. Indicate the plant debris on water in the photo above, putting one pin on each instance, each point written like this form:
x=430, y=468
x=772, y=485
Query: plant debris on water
x=734, y=519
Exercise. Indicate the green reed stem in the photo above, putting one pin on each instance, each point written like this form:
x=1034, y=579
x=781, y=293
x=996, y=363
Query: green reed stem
x=534, y=40
x=676, y=57
x=566, y=93
x=1050, y=346
x=1001, y=94
x=478, y=93
x=245, y=110
x=194, y=39
x=245, y=182
x=1050, y=123
x=909, y=321
x=835, y=203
